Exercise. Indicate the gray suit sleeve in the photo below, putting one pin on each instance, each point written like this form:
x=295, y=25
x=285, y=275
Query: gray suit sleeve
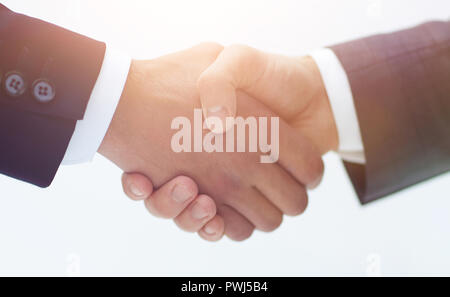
x=401, y=87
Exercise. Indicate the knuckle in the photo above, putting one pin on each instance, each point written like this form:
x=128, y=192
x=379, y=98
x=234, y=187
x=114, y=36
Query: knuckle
x=185, y=226
x=316, y=169
x=300, y=207
x=240, y=234
x=188, y=183
x=208, y=204
x=272, y=224
x=211, y=47
x=157, y=210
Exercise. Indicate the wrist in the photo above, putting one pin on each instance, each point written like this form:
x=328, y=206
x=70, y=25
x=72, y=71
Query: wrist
x=117, y=128
x=323, y=129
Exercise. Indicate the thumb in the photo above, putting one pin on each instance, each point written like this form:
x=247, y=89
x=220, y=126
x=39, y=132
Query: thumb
x=236, y=67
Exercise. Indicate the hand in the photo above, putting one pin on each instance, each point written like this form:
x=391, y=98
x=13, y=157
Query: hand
x=248, y=194
x=165, y=203
x=291, y=86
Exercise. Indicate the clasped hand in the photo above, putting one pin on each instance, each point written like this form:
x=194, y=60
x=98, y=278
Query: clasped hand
x=217, y=193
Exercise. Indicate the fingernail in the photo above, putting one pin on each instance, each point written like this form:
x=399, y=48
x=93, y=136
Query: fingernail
x=136, y=191
x=180, y=194
x=210, y=230
x=216, y=111
x=213, y=114
x=198, y=212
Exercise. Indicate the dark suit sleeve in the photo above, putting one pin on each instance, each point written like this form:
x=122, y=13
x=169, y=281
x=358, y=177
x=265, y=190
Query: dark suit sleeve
x=401, y=88
x=34, y=136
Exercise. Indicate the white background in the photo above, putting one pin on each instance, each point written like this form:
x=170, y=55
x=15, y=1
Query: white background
x=84, y=224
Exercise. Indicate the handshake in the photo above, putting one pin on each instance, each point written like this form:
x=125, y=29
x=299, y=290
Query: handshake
x=231, y=138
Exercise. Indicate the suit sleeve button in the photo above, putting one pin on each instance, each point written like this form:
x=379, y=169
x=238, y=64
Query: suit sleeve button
x=14, y=84
x=43, y=91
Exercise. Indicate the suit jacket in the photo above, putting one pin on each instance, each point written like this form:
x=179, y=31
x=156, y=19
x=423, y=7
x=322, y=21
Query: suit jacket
x=34, y=135
x=401, y=88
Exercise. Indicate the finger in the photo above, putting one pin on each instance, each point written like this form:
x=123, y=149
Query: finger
x=281, y=189
x=300, y=157
x=262, y=75
x=237, y=67
x=265, y=77
x=257, y=209
x=296, y=153
x=237, y=227
x=197, y=214
x=213, y=230
x=172, y=198
x=136, y=186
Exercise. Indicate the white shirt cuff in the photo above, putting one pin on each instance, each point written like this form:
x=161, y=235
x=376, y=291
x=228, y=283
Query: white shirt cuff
x=336, y=82
x=90, y=131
